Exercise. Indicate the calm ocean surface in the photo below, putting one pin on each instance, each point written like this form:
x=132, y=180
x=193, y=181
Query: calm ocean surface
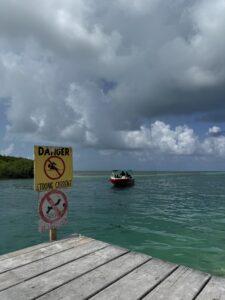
x=179, y=217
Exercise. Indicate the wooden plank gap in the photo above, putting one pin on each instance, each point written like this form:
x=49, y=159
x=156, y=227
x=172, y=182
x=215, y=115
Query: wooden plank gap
x=118, y=278
x=158, y=283
x=68, y=281
x=63, y=264
x=136, y=283
x=202, y=287
x=183, y=283
x=92, y=282
x=215, y=289
x=36, y=260
x=33, y=248
x=23, y=251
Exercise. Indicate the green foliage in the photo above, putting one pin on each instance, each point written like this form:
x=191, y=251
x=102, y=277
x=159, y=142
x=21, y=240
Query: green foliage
x=16, y=167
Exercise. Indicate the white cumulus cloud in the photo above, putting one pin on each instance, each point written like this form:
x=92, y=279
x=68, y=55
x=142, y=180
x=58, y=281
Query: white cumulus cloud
x=95, y=72
x=161, y=138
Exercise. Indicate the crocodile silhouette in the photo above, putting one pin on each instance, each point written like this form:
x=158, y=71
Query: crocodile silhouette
x=50, y=207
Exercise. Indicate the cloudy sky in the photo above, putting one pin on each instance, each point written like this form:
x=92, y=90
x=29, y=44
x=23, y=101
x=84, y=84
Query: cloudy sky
x=136, y=84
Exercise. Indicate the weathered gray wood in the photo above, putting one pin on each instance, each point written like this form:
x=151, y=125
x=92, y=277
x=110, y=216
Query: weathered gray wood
x=183, y=284
x=38, y=246
x=80, y=268
x=22, y=251
x=30, y=270
x=98, y=279
x=44, y=283
x=25, y=258
x=215, y=289
x=138, y=282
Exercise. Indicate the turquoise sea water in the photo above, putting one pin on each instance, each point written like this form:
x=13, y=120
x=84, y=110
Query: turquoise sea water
x=179, y=217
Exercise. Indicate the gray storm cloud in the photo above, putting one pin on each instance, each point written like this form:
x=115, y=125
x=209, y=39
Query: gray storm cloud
x=94, y=72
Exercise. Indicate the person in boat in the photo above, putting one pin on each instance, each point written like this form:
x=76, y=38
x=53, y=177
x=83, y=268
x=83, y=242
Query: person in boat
x=122, y=173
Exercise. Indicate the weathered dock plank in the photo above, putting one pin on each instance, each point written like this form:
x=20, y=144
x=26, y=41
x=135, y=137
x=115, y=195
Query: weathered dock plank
x=39, y=246
x=137, y=283
x=22, y=251
x=25, y=258
x=215, y=289
x=98, y=279
x=84, y=268
x=35, y=268
x=48, y=281
x=184, y=283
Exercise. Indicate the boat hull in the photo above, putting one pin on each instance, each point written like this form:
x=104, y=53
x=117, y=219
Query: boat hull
x=122, y=182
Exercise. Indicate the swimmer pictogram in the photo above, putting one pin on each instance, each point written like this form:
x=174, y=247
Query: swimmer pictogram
x=54, y=167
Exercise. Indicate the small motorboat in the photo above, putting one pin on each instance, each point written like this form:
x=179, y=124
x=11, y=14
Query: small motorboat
x=121, y=178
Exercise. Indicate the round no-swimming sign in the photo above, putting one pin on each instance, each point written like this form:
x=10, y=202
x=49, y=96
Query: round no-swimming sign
x=54, y=167
x=53, y=206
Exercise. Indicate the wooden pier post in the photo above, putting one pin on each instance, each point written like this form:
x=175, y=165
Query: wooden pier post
x=53, y=234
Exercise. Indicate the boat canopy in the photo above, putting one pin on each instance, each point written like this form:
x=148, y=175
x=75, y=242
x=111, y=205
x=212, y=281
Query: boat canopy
x=119, y=173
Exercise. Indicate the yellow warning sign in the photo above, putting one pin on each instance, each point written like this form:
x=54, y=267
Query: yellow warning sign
x=53, y=168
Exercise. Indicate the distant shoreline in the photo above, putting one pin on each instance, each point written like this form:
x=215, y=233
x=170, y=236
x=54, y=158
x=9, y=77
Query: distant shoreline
x=16, y=167
x=22, y=168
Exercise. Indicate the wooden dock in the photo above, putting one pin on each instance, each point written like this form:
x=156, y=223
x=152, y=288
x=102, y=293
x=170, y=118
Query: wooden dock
x=83, y=268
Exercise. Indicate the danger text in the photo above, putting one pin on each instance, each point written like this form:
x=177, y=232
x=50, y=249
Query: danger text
x=55, y=152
